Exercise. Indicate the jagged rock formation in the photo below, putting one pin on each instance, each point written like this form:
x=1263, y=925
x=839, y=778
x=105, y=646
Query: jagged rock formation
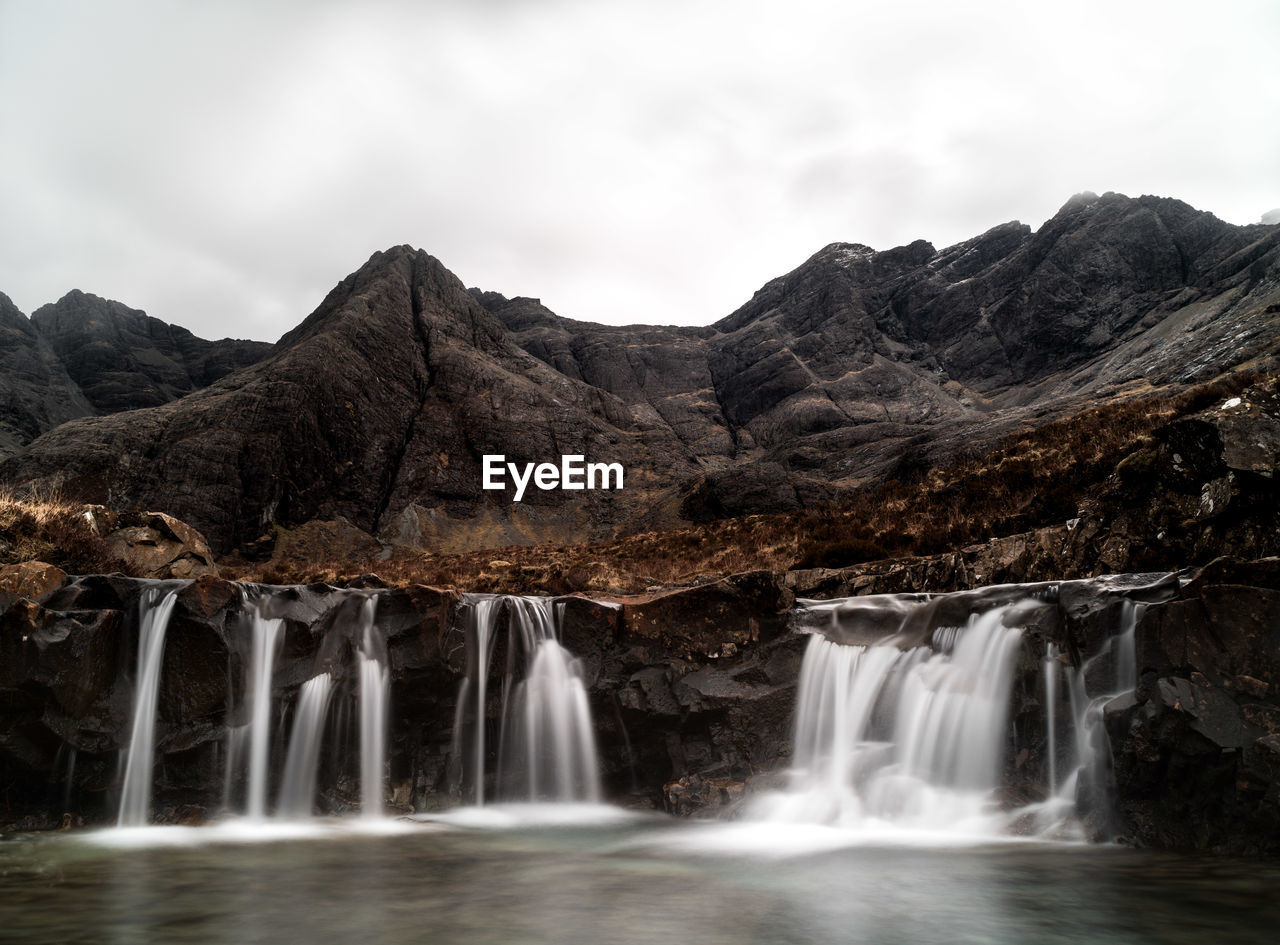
x=124, y=359
x=379, y=407
x=831, y=368
x=35, y=392
x=84, y=355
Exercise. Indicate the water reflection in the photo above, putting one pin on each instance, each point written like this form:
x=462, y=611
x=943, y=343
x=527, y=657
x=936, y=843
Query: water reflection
x=624, y=883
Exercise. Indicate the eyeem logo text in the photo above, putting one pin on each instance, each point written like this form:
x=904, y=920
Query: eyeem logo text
x=572, y=473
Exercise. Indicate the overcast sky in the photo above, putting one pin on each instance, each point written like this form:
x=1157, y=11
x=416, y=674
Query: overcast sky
x=222, y=164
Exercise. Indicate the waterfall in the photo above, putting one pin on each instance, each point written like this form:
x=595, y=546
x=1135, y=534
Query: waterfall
x=268, y=635
x=904, y=701
x=350, y=667
x=135, y=798
x=546, y=747
x=914, y=737
x=479, y=613
x=298, y=787
x=1050, y=712
x=374, y=689
x=557, y=749
x=1087, y=783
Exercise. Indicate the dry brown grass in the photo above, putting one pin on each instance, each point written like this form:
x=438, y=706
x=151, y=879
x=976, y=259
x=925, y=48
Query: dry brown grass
x=42, y=526
x=1028, y=480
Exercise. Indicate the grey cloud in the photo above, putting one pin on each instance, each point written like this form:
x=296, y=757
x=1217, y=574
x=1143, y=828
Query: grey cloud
x=223, y=165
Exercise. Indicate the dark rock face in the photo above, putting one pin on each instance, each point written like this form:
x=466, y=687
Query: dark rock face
x=123, y=359
x=1196, y=748
x=379, y=407
x=1209, y=482
x=85, y=355
x=36, y=394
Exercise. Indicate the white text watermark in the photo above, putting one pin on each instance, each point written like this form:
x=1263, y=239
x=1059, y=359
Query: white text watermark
x=574, y=472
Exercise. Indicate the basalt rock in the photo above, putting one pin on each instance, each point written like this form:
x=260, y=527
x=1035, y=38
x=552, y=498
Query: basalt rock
x=123, y=359
x=85, y=355
x=1194, y=748
x=33, y=580
x=380, y=406
x=36, y=393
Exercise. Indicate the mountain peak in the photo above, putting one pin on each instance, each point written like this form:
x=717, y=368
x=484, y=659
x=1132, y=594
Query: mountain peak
x=1080, y=201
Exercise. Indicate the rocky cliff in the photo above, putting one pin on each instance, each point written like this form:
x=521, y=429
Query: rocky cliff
x=84, y=355
x=379, y=407
x=36, y=393
x=123, y=359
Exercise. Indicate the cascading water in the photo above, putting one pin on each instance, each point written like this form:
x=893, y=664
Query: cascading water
x=375, y=683
x=135, y=796
x=557, y=749
x=903, y=714
x=350, y=665
x=298, y=787
x=268, y=635
x=470, y=729
x=912, y=737
x=546, y=747
x=1051, y=712
x=1086, y=781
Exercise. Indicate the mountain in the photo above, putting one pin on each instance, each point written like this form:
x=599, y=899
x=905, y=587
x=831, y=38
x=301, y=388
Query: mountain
x=377, y=408
x=85, y=355
x=380, y=406
x=36, y=394
x=830, y=372
x=124, y=359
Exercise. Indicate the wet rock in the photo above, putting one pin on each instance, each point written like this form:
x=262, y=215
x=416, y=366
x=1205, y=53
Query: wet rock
x=1192, y=763
x=208, y=595
x=696, y=794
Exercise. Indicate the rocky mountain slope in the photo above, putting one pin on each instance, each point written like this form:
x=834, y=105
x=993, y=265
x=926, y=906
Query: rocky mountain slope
x=36, y=394
x=380, y=405
x=85, y=355
x=124, y=359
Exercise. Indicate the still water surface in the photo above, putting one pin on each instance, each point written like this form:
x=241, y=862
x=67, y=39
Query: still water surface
x=507, y=880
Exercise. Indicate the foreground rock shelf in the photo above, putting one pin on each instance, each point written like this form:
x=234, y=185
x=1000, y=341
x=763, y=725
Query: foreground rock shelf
x=693, y=692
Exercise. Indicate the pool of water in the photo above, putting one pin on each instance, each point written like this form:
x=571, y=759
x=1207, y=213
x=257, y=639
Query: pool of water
x=600, y=878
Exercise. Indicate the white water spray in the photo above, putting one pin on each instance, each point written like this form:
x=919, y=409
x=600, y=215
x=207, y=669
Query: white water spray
x=913, y=738
x=546, y=743
x=135, y=797
x=375, y=686
x=268, y=635
x=298, y=786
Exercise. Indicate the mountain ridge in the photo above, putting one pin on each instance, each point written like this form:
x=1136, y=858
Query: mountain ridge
x=85, y=355
x=380, y=404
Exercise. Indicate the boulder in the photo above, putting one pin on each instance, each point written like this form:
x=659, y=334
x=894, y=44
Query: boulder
x=29, y=580
x=156, y=545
